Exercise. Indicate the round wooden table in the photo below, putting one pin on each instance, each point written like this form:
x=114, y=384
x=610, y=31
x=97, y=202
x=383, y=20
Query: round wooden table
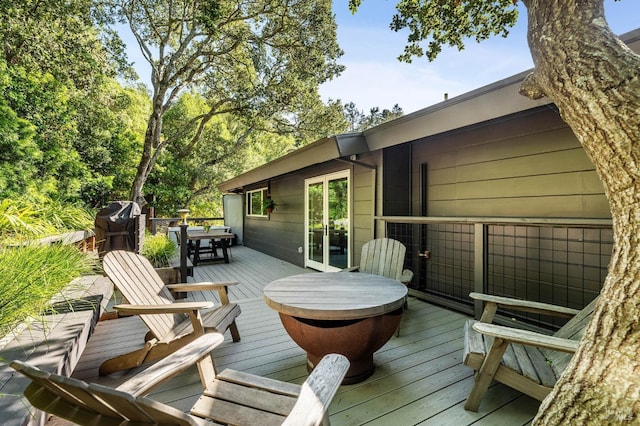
x=349, y=313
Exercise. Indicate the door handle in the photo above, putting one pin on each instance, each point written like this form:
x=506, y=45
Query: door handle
x=426, y=254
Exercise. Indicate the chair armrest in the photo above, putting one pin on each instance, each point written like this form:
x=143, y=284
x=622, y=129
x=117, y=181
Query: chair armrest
x=522, y=305
x=526, y=337
x=318, y=391
x=200, y=286
x=173, y=308
x=223, y=290
x=145, y=381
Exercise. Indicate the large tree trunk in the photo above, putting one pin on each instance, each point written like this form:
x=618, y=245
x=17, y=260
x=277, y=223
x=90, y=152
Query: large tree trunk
x=595, y=82
x=152, y=143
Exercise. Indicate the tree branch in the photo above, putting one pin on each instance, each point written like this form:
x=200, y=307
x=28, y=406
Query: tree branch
x=530, y=87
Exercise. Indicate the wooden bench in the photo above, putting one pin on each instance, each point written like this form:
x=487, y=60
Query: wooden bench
x=54, y=344
x=524, y=360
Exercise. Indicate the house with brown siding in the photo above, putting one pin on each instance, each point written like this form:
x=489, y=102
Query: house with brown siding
x=490, y=191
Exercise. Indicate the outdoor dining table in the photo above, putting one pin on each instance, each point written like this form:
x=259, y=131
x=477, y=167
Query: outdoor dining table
x=219, y=239
x=350, y=313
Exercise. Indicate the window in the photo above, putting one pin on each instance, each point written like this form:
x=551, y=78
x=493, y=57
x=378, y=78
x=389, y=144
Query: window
x=255, y=200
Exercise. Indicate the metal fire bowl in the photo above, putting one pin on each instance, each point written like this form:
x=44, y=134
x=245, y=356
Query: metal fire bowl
x=356, y=339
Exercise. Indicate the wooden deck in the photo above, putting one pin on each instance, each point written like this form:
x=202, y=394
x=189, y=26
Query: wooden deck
x=419, y=377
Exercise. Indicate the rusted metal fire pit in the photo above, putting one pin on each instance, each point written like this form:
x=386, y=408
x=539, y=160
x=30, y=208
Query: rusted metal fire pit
x=353, y=314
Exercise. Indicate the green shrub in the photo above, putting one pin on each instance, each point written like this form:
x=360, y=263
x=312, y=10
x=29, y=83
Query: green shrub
x=159, y=249
x=31, y=275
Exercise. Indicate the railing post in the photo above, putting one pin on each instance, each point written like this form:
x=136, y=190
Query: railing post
x=479, y=264
x=183, y=252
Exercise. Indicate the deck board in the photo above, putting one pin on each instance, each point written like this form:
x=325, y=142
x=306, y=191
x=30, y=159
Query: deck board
x=419, y=376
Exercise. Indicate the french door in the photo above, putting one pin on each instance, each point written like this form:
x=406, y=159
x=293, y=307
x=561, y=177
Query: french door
x=328, y=222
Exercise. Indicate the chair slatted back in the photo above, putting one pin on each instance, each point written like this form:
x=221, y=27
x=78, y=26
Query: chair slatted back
x=140, y=284
x=574, y=329
x=84, y=403
x=383, y=256
x=72, y=391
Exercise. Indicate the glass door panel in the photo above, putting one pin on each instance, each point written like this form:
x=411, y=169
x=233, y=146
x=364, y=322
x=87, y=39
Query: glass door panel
x=338, y=222
x=315, y=223
x=327, y=223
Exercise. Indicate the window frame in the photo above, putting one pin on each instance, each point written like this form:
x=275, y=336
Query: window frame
x=249, y=202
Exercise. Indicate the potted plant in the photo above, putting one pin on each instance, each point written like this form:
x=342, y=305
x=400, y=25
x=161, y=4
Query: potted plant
x=160, y=250
x=269, y=205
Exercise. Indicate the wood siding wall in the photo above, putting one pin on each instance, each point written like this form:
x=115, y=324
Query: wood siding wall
x=525, y=165
x=363, y=204
x=282, y=233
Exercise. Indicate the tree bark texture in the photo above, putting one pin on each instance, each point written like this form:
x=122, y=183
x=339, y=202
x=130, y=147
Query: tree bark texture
x=152, y=141
x=594, y=80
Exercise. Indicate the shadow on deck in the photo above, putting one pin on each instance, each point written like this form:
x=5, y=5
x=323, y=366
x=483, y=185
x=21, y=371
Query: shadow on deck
x=419, y=377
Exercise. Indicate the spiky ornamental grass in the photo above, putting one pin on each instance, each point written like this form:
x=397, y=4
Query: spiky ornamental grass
x=159, y=249
x=30, y=275
x=33, y=217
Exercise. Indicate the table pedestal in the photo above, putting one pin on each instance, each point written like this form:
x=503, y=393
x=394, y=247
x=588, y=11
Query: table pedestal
x=356, y=339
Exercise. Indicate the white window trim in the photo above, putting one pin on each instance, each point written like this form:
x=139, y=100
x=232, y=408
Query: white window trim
x=248, y=195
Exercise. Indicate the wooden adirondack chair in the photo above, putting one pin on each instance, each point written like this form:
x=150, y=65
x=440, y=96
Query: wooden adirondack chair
x=231, y=397
x=524, y=360
x=171, y=324
x=385, y=257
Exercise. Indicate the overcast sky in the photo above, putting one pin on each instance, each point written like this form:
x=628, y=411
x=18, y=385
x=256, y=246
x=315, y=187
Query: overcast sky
x=374, y=77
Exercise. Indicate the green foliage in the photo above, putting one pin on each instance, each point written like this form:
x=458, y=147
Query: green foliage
x=159, y=249
x=31, y=275
x=449, y=22
x=36, y=216
x=234, y=93
x=187, y=171
x=261, y=61
x=19, y=153
x=269, y=203
x=66, y=118
x=57, y=38
x=70, y=144
x=111, y=134
x=359, y=121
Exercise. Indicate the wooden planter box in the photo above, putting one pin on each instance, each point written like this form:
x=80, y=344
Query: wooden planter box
x=169, y=275
x=54, y=344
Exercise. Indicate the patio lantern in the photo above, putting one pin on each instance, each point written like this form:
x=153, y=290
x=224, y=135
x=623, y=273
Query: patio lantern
x=183, y=215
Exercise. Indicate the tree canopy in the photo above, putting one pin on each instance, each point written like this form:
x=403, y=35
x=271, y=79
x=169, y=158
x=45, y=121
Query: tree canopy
x=77, y=127
x=60, y=105
x=359, y=121
x=260, y=60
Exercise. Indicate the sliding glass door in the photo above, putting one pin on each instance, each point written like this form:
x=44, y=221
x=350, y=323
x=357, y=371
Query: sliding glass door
x=328, y=222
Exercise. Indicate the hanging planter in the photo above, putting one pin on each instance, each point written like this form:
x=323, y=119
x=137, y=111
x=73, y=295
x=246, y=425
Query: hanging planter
x=269, y=205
